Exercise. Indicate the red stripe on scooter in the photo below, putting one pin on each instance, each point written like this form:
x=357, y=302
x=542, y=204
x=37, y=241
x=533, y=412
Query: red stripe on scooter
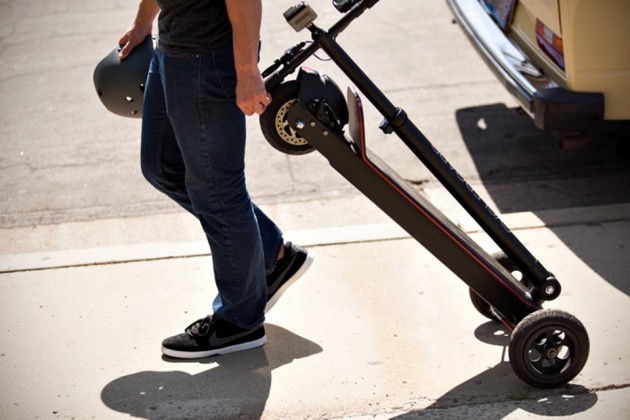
x=377, y=170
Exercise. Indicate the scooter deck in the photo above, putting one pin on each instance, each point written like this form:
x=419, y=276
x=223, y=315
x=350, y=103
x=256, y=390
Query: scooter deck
x=413, y=212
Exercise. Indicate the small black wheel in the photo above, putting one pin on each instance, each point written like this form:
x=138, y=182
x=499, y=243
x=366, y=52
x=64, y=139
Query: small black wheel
x=481, y=305
x=548, y=348
x=275, y=126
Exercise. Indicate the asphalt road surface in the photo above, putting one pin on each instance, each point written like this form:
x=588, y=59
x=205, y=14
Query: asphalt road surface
x=64, y=158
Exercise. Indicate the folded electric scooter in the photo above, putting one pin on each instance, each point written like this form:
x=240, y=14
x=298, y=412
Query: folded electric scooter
x=547, y=347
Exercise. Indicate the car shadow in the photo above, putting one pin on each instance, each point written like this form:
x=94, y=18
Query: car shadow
x=523, y=170
x=497, y=392
x=235, y=385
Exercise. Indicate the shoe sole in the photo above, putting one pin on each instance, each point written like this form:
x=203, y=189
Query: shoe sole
x=307, y=263
x=214, y=352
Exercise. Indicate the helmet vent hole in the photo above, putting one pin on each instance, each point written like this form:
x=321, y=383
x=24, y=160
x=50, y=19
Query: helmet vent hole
x=134, y=112
x=142, y=87
x=100, y=92
x=128, y=99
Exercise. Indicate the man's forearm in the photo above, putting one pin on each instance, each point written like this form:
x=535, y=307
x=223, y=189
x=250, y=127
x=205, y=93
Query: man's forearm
x=245, y=17
x=147, y=11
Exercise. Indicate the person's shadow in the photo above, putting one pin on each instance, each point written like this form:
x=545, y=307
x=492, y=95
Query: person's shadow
x=236, y=386
x=497, y=392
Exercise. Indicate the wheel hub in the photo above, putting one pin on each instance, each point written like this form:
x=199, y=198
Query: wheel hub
x=285, y=131
x=552, y=353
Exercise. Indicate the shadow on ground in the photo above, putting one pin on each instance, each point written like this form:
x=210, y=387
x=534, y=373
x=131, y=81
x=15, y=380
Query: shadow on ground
x=542, y=177
x=496, y=392
x=508, y=150
x=234, y=386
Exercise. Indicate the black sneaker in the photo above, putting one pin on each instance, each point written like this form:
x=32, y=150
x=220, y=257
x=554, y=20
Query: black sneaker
x=208, y=337
x=289, y=268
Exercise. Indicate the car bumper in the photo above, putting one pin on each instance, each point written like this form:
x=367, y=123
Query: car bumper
x=553, y=108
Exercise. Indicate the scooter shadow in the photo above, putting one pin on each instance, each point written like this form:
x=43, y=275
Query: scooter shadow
x=523, y=170
x=497, y=392
x=236, y=385
x=506, y=147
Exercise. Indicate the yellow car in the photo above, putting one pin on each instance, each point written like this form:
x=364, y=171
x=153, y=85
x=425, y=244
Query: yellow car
x=567, y=62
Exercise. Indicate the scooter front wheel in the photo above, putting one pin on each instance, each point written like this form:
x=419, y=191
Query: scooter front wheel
x=275, y=125
x=548, y=348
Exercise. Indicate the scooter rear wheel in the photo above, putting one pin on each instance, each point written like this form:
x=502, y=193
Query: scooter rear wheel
x=479, y=303
x=275, y=125
x=548, y=348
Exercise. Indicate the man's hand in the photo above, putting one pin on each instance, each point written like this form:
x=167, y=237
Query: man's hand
x=140, y=29
x=251, y=95
x=131, y=39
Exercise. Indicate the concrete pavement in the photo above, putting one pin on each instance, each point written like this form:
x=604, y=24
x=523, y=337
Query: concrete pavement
x=376, y=329
x=96, y=268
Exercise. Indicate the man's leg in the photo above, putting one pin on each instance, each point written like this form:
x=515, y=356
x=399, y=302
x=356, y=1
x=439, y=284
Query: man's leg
x=210, y=132
x=163, y=166
x=191, y=179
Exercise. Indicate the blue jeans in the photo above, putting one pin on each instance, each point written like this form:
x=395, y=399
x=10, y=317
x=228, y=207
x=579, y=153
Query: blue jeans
x=193, y=150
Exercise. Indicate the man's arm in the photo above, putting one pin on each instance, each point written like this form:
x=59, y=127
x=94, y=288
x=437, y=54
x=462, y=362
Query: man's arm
x=245, y=17
x=140, y=28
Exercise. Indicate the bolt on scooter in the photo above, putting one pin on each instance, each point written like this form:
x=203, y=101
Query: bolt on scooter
x=548, y=347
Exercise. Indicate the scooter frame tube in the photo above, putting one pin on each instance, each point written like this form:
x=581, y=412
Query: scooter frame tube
x=396, y=120
x=423, y=221
x=435, y=162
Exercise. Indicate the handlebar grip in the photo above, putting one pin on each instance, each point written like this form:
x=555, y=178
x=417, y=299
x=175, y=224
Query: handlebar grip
x=344, y=5
x=273, y=81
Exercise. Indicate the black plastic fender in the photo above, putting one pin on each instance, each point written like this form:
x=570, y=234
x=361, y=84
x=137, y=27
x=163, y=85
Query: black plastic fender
x=321, y=95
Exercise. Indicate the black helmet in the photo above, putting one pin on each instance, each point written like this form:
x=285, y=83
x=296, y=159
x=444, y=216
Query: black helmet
x=120, y=83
